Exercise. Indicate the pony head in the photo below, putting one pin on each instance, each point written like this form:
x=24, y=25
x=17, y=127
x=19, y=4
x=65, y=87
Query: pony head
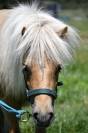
x=44, y=45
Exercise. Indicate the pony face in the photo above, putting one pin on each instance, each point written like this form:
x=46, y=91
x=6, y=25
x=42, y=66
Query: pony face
x=42, y=70
x=36, y=78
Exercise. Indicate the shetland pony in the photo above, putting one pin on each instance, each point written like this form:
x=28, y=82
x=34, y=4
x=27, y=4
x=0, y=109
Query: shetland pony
x=32, y=39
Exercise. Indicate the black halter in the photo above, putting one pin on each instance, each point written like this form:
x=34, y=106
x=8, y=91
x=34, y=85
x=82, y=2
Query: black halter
x=31, y=93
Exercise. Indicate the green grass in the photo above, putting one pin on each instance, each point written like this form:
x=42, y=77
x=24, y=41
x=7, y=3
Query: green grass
x=71, y=107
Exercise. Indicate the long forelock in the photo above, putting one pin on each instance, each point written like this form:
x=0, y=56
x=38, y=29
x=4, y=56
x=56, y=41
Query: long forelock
x=40, y=37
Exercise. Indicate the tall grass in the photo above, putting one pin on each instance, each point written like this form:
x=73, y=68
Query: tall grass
x=71, y=107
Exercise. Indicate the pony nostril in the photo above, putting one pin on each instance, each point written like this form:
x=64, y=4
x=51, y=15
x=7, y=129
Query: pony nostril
x=51, y=115
x=35, y=115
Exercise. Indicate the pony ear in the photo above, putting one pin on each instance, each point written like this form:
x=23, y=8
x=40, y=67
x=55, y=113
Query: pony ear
x=62, y=32
x=23, y=30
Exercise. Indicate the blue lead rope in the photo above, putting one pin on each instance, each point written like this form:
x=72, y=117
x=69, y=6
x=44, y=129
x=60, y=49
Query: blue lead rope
x=10, y=109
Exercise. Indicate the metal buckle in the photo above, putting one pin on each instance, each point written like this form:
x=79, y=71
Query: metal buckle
x=25, y=116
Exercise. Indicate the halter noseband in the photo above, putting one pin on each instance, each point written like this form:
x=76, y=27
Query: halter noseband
x=39, y=91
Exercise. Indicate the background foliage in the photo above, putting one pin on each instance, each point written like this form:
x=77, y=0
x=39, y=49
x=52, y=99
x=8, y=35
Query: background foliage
x=65, y=3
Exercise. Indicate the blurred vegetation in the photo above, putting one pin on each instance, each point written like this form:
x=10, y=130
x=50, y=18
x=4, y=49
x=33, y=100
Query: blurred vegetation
x=65, y=3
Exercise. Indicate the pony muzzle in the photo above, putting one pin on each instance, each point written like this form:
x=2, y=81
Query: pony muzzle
x=43, y=120
x=42, y=110
x=42, y=100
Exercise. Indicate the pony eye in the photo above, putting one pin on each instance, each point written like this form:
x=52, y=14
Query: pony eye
x=26, y=71
x=59, y=68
